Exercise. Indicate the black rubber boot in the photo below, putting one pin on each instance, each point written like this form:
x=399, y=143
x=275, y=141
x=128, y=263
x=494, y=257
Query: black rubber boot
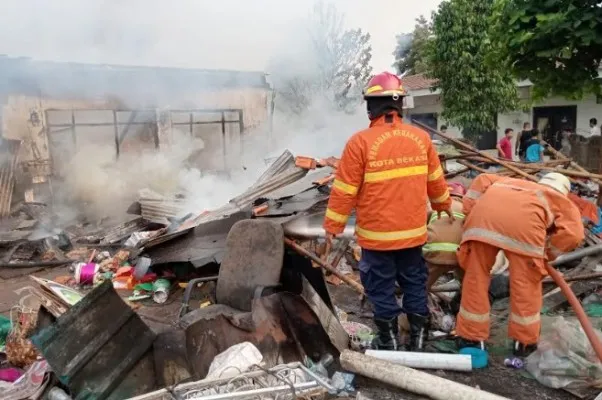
x=419, y=331
x=462, y=343
x=387, y=337
x=523, y=350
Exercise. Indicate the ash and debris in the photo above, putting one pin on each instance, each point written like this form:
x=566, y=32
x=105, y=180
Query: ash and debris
x=159, y=250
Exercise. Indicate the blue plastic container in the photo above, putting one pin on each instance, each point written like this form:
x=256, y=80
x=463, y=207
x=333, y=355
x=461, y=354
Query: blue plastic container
x=478, y=357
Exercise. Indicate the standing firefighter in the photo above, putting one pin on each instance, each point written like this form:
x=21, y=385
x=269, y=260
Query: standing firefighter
x=388, y=173
x=531, y=222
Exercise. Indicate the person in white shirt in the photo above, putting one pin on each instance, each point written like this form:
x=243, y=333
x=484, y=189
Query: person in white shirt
x=595, y=129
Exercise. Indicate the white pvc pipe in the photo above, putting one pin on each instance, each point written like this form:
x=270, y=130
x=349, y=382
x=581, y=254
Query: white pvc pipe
x=451, y=362
x=410, y=379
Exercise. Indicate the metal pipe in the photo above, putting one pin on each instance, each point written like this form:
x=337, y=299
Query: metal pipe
x=318, y=378
x=258, y=392
x=310, y=227
x=577, y=254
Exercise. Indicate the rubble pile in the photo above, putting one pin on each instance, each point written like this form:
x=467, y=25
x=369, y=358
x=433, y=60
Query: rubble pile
x=249, y=300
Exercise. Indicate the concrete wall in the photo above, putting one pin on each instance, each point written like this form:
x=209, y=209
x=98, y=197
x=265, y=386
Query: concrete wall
x=432, y=104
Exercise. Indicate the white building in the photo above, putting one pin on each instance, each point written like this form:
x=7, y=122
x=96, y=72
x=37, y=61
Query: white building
x=425, y=105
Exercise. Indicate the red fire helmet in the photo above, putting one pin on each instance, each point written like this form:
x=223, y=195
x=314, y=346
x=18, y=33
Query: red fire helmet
x=384, y=84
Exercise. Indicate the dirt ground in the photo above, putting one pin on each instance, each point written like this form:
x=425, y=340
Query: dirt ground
x=497, y=379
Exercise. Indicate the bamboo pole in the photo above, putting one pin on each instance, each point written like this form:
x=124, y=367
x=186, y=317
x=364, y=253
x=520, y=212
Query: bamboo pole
x=474, y=167
x=543, y=167
x=561, y=156
x=304, y=252
x=450, y=175
x=481, y=153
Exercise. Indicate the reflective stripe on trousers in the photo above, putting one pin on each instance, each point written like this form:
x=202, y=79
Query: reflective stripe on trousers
x=526, y=320
x=474, y=317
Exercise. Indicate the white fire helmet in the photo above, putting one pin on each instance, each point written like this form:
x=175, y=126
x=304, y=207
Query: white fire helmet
x=556, y=181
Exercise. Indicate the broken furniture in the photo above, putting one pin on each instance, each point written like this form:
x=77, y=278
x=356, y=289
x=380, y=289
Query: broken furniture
x=262, y=302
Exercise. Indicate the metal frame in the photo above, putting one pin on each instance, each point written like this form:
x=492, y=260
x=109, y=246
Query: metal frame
x=120, y=134
x=115, y=124
x=191, y=122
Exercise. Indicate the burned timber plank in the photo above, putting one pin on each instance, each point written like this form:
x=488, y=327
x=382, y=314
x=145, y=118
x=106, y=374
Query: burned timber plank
x=94, y=345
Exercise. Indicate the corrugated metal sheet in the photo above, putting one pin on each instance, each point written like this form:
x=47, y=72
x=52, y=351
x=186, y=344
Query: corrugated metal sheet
x=9, y=155
x=281, y=164
x=262, y=190
x=159, y=209
x=303, y=184
x=124, y=230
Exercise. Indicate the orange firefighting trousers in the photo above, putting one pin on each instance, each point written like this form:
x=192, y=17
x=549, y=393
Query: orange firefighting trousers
x=526, y=273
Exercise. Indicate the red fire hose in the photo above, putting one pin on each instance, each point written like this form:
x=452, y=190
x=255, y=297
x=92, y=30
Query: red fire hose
x=573, y=301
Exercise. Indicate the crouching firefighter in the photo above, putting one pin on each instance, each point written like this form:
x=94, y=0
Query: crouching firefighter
x=388, y=173
x=443, y=240
x=531, y=222
x=440, y=250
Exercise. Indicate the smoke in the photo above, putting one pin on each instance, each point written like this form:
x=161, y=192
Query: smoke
x=197, y=34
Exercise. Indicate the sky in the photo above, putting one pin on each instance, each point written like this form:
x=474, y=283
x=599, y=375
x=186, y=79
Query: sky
x=220, y=34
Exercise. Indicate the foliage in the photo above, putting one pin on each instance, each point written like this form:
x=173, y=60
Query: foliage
x=411, y=50
x=556, y=44
x=473, y=91
x=335, y=63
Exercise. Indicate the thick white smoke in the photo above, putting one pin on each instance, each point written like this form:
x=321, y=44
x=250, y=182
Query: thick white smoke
x=267, y=35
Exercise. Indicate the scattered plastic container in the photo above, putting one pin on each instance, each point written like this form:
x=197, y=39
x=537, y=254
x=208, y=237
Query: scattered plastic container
x=479, y=358
x=514, y=362
x=161, y=290
x=85, y=273
x=57, y=393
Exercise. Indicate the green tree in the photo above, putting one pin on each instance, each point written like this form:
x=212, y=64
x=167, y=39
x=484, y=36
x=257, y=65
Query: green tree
x=556, y=44
x=473, y=91
x=411, y=50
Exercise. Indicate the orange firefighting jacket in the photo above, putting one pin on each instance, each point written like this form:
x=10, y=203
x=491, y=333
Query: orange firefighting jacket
x=521, y=216
x=388, y=173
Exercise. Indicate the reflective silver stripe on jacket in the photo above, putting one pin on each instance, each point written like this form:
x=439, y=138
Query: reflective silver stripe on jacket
x=508, y=242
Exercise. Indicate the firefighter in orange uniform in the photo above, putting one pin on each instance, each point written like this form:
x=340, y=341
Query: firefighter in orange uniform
x=532, y=223
x=388, y=173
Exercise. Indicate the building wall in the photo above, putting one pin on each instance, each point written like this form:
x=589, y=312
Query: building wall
x=23, y=118
x=432, y=104
x=586, y=109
